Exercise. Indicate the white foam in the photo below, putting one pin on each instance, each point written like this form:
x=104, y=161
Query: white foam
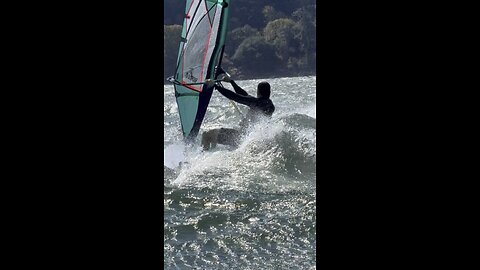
x=173, y=155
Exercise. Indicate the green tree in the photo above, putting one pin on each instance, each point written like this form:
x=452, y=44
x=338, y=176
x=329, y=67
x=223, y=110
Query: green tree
x=306, y=33
x=275, y=38
x=254, y=56
x=173, y=12
x=271, y=14
x=171, y=40
x=237, y=36
x=281, y=34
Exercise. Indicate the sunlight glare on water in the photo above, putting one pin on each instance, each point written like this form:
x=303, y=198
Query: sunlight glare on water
x=248, y=208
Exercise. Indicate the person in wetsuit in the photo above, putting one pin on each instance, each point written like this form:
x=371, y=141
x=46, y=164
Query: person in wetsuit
x=260, y=106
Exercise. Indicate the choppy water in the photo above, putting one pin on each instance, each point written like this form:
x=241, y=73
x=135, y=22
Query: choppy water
x=249, y=208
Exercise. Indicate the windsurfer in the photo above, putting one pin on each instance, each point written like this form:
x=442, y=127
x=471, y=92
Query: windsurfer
x=260, y=106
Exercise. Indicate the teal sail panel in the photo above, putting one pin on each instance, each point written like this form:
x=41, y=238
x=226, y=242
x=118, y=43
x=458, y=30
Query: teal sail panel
x=201, y=49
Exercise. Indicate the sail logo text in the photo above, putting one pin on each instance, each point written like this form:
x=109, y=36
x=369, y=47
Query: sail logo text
x=189, y=75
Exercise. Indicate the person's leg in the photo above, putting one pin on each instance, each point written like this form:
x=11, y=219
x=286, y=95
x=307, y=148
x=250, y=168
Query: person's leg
x=209, y=139
x=225, y=136
x=228, y=136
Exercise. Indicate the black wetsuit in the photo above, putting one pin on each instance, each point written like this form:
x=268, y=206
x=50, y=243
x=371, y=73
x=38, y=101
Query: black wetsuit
x=259, y=107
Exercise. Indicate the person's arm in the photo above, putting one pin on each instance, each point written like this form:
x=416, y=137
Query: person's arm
x=238, y=89
x=227, y=78
x=245, y=100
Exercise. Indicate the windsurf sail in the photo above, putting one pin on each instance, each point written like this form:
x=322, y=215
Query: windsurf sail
x=201, y=50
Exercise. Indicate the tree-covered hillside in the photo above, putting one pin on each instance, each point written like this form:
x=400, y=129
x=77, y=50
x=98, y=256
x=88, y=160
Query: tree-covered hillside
x=265, y=39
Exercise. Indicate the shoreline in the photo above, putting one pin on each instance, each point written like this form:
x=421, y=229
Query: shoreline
x=246, y=78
